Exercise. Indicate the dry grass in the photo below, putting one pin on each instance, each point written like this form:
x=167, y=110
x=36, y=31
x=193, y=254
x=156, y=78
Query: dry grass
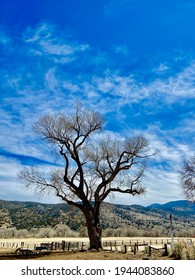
x=184, y=251
x=81, y=239
x=9, y=253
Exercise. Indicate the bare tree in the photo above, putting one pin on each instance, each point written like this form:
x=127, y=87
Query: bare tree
x=188, y=178
x=94, y=166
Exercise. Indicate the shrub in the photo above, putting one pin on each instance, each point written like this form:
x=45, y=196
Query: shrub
x=83, y=232
x=184, y=251
x=62, y=230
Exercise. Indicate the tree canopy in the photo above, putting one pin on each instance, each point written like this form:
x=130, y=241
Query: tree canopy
x=95, y=164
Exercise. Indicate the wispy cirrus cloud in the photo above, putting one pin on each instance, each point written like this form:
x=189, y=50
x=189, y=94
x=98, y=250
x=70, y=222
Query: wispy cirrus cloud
x=56, y=76
x=180, y=85
x=10, y=187
x=121, y=49
x=27, y=159
x=43, y=41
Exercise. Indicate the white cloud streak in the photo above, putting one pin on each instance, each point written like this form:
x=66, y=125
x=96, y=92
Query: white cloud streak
x=52, y=89
x=43, y=42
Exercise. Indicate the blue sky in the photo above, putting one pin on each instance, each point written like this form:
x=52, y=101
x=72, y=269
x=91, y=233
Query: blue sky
x=131, y=60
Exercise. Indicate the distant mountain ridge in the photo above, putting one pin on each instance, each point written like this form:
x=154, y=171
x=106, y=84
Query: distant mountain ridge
x=153, y=218
x=171, y=204
x=176, y=207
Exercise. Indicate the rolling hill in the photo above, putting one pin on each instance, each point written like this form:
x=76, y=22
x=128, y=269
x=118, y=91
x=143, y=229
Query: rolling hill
x=153, y=219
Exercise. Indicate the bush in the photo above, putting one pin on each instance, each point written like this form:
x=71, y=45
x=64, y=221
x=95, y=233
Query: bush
x=184, y=251
x=83, y=232
x=59, y=231
x=63, y=230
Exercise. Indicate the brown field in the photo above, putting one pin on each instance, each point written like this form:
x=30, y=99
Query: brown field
x=101, y=255
x=8, y=247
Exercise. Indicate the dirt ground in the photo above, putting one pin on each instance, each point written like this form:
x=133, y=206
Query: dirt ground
x=103, y=255
x=87, y=255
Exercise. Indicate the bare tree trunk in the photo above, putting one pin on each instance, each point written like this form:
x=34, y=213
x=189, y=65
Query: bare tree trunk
x=93, y=228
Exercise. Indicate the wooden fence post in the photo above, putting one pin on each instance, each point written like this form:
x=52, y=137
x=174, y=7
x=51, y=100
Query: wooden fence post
x=82, y=245
x=134, y=249
x=166, y=250
x=68, y=246
x=63, y=245
x=150, y=251
x=111, y=245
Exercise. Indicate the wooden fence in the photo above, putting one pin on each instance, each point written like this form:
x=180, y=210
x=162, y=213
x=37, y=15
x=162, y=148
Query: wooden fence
x=125, y=246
